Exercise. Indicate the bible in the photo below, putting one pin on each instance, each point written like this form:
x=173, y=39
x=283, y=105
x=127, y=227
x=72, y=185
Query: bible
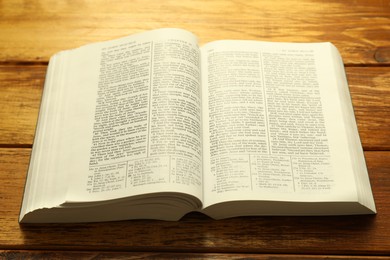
x=153, y=126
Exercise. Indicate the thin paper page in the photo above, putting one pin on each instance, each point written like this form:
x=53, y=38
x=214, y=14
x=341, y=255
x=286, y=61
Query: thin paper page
x=134, y=121
x=273, y=127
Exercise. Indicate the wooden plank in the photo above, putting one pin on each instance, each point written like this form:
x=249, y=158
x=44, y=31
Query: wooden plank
x=36, y=30
x=196, y=233
x=370, y=93
x=21, y=89
x=16, y=254
x=20, y=95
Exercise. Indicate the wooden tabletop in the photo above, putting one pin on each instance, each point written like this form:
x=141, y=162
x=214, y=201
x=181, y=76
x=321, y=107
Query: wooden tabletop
x=32, y=31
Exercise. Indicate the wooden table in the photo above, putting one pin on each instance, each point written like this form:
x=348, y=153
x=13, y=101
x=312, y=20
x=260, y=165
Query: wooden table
x=32, y=31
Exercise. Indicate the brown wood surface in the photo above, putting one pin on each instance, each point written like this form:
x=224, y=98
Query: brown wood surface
x=16, y=254
x=32, y=31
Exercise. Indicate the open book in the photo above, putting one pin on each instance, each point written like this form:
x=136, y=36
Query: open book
x=152, y=126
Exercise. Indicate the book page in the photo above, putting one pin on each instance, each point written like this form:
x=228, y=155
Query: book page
x=272, y=123
x=133, y=121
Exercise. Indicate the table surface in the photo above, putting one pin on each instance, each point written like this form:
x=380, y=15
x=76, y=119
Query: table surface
x=32, y=31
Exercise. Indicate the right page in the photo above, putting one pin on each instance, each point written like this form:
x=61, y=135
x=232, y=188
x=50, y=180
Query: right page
x=275, y=125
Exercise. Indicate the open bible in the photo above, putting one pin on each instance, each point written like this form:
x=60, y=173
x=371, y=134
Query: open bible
x=152, y=126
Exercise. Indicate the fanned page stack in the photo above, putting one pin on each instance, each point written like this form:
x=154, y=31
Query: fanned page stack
x=152, y=126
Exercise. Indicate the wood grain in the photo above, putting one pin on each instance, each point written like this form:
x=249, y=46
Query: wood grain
x=35, y=30
x=353, y=235
x=21, y=90
x=370, y=93
x=16, y=254
x=20, y=95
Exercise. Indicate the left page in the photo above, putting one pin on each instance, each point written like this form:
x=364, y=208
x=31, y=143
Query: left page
x=126, y=122
x=144, y=137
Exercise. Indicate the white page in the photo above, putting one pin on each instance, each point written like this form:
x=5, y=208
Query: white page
x=126, y=148
x=261, y=141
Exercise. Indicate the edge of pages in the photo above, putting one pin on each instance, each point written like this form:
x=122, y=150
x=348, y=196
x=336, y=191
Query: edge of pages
x=356, y=149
